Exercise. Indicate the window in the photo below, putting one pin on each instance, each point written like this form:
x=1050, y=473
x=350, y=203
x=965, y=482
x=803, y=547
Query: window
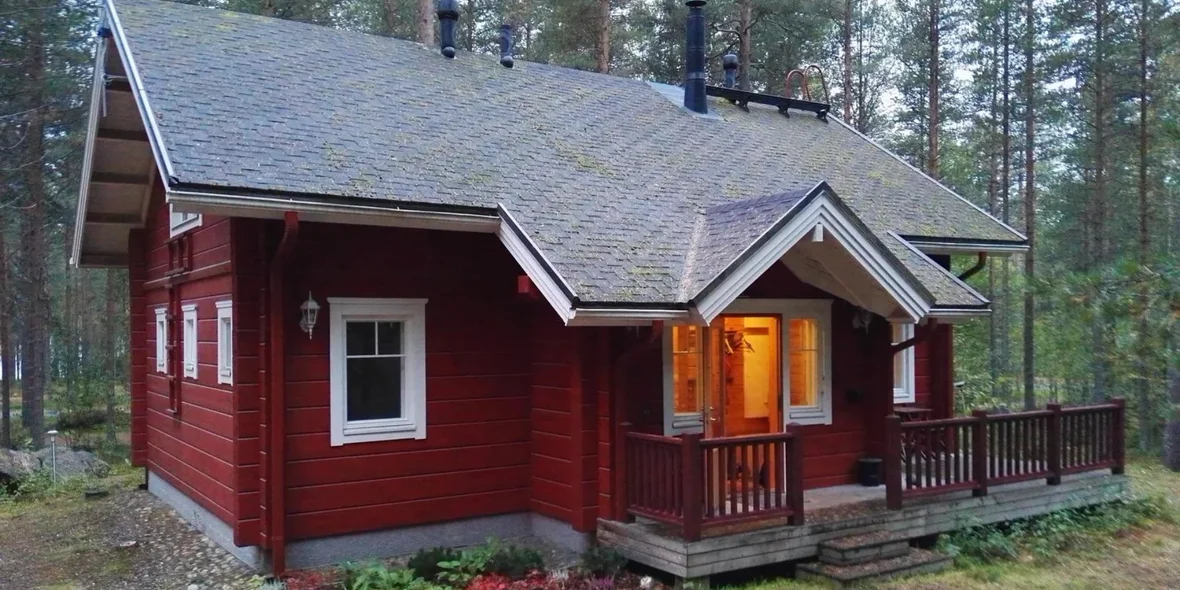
x=903, y=366
x=378, y=369
x=161, y=340
x=190, y=340
x=686, y=345
x=225, y=342
x=803, y=344
x=179, y=222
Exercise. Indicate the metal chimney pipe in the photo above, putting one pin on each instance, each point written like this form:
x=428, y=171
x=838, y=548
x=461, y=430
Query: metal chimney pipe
x=730, y=63
x=506, y=45
x=694, y=73
x=448, y=15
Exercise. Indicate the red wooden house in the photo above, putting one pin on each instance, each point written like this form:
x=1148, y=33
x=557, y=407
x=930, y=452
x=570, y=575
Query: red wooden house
x=383, y=298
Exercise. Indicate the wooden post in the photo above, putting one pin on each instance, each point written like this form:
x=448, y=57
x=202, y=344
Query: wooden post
x=795, y=474
x=979, y=452
x=1054, y=449
x=692, y=485
x=620, y=472
x=1119, y=444
x=893, y=462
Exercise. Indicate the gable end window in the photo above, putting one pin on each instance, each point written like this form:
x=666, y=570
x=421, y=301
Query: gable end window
x=378, y=369
x=189, y=345
x=179, y=223
x=903, y=366
x=161, y=340
x=225, y=342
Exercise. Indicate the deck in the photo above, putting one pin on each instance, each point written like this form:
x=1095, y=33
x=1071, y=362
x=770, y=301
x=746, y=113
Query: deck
x=849, y=510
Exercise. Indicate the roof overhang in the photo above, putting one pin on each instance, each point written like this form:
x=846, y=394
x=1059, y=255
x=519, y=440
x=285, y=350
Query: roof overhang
x=824, y=217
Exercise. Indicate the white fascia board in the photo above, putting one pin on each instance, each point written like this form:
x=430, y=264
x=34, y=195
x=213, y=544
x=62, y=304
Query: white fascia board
x=936, y=246
x=96, y=98
x=263, y=207
x=626, y=317
x=958, y=315
x=537, y=270
x=820, y=211
x=1019, y=236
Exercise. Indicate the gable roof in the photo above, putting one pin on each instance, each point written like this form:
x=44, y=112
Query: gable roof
x=606, y=178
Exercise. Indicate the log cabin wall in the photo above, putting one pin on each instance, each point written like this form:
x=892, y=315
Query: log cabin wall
x=476, y=457
x=192, y=449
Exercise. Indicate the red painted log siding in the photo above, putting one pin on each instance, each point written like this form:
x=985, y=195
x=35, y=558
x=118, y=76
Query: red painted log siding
x=193, y=450
x=475, y=459
x=250, y=251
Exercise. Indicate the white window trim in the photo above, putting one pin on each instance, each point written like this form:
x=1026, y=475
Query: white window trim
x=161, y=339
x=189, y=337
x=905, y=394
x=179, y=223
x=225, y=342
x=818, y=309
x=412, y=312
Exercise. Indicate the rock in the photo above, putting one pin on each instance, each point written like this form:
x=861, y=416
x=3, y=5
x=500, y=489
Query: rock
x=71, y=463
x=17, y=464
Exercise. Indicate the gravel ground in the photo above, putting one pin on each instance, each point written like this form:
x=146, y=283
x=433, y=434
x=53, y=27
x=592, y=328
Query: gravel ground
x=127, y=540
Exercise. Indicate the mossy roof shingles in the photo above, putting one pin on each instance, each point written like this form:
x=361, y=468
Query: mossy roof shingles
x=607, y=176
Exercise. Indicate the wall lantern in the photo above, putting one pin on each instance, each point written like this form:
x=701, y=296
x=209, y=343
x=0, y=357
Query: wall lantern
x=309, y=310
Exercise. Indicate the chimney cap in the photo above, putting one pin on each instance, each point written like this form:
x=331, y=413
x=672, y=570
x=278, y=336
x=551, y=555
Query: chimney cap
x=695, y=3
x=729, y=61
x=448, y=9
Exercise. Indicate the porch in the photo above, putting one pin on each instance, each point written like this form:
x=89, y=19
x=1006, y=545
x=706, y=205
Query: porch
x=695, y=507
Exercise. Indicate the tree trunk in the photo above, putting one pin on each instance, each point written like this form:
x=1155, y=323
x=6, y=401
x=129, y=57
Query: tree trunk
x=1002, y=313
x=1172, y=430
x=1030, y=205
x=37, y=300
x=112, y=356
x=469, y=25
x=846, y=43
x=745, y=16
x=1098, y=210
x=1143, y=337
x=932, y=163
x=426, y=22
x=5, y=344
x=602, y=40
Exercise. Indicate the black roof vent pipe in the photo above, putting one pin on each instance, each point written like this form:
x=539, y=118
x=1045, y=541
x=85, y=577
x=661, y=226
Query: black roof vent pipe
x=448, y=15
x=730, y=63
x=694, y=74
x=506, y=45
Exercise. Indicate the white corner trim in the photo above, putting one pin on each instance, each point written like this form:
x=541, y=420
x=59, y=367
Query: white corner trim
x=96, y=100
x=821, y=210
x=944, y=187
x=225, y=342
x=412, y=424
x=982, y=300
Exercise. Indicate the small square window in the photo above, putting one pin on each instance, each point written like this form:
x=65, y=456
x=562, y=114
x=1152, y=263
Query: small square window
x=190, y=340
x=179, y=222
x=161, y=340
x=378, y=369
x=225, y=342
x=903, y=366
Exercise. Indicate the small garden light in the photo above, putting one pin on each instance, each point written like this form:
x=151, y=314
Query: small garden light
x=309, y=309
x=53, y=452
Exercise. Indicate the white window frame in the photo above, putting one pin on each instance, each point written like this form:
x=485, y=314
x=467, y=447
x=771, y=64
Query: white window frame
x=819, y=310
x=162, y=340
x=905, y=394
x=412, y=424
x=189, y=339
x=179, y=222
x=225, y=342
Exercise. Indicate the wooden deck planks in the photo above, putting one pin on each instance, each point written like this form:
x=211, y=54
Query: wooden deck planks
x=645, y=544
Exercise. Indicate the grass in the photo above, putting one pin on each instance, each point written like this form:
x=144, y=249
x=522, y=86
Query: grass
x=1103, y=553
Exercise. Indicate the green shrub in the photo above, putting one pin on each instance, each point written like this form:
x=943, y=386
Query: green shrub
x=374, y=576
x=472, y=562
x=425, y=562
x=1044, y=536
x=602, y=561
x=514, y=562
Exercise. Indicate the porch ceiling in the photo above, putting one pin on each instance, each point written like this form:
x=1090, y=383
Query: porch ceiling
x=829, y=266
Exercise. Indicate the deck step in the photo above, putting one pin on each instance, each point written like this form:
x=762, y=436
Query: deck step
x=916, y=561
x=862, y=548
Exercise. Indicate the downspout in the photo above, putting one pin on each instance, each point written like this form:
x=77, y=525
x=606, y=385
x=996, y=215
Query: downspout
x=276, y=400
x=974, y=269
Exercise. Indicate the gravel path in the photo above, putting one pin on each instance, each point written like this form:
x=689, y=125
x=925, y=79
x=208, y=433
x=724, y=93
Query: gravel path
x=127, y=540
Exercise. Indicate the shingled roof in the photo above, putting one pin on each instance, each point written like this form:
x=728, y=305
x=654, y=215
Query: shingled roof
x=608, y=178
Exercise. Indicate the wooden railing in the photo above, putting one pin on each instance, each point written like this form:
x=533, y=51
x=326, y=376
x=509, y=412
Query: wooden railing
x=695, y=484
x=939, y=456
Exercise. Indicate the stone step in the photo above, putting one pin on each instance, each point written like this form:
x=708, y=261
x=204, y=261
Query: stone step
x=916, y=561
x=861, y=548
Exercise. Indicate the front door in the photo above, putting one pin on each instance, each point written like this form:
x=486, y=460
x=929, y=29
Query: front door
x=745, y=389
